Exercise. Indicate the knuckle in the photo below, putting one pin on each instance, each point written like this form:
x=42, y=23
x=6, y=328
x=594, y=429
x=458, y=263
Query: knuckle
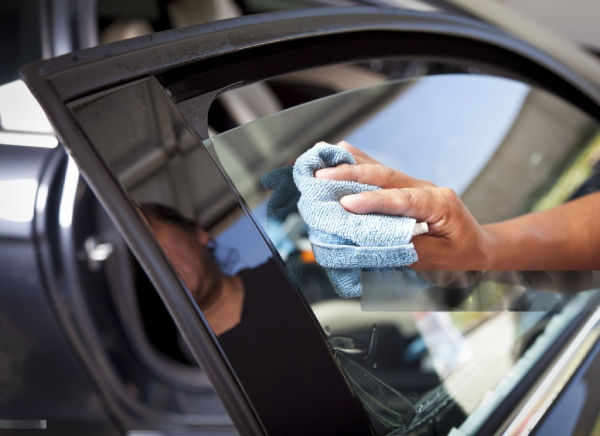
x=404, y=195
x=381, y=170
x=427, y=184
x=346, y=169
x=396, y=178
x=448, y=194
x=389, y=173
x=358, y=171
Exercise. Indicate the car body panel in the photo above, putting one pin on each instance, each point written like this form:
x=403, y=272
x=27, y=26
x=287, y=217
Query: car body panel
x=576, y=409
x=42, y=377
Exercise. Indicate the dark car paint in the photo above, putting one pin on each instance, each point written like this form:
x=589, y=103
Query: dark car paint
x=66, y=285
x=577, y=409
x=149, y=60
x=42, y=378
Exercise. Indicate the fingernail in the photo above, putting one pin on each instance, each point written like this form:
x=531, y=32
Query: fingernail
x=348, y=200
x=322, y=173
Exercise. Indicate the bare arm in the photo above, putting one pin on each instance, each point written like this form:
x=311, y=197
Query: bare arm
x=563, y=238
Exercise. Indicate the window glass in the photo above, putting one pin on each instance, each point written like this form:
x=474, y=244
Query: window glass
x=243, y=105
x=421, y=357
x=195, y=217
x=225, y=264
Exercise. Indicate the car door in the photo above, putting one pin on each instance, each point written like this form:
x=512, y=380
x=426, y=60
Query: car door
x=135, y=118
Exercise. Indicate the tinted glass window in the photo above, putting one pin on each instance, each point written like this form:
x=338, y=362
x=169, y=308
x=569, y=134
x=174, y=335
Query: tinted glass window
x=246, y=104
x=183, y=198
x=225, y=264
x=422, y=357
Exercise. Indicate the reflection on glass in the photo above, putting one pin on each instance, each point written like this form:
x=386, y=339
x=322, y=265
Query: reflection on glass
x=184, y=199
x=189, y=249
x=428, y=352
x=464, y=128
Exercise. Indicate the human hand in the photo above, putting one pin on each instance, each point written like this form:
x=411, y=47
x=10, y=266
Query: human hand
x=455, y=241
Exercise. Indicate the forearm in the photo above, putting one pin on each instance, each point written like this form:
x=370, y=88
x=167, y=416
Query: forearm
x=564, y=238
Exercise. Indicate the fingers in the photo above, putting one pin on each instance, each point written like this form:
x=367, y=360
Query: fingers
x=361, y=160
x=370, y=172
x=357, y=152
x=432, y=205
x=377, y=175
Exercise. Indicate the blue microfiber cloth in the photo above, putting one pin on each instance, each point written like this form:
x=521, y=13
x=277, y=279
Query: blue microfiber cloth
x=343, y=242
x=283, y=219
x=284, y=200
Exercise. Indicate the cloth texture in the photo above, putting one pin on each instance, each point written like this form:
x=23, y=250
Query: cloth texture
x=284, y=200
x=343, y=242
x=284, y=224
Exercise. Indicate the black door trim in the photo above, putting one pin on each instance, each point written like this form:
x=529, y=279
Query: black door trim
x=80, y=73
x=264, y=62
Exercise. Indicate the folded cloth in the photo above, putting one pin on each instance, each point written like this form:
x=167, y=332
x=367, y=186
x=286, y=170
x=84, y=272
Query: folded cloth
x=284, y=200
x=284, y=223
x=343, y=242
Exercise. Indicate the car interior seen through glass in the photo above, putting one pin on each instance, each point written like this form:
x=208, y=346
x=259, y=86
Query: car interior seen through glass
x=417, y=354
x=420, y=357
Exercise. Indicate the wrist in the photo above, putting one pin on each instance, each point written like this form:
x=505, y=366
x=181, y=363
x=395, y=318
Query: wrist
x=490, y=248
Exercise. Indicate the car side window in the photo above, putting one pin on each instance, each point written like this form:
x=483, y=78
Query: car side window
x=421, y=356
x=228, y=272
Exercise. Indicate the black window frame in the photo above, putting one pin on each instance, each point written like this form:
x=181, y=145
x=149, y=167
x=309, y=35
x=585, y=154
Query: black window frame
x=251, y=49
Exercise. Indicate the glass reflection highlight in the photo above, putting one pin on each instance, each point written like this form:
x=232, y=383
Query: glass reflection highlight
x=65, y=215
